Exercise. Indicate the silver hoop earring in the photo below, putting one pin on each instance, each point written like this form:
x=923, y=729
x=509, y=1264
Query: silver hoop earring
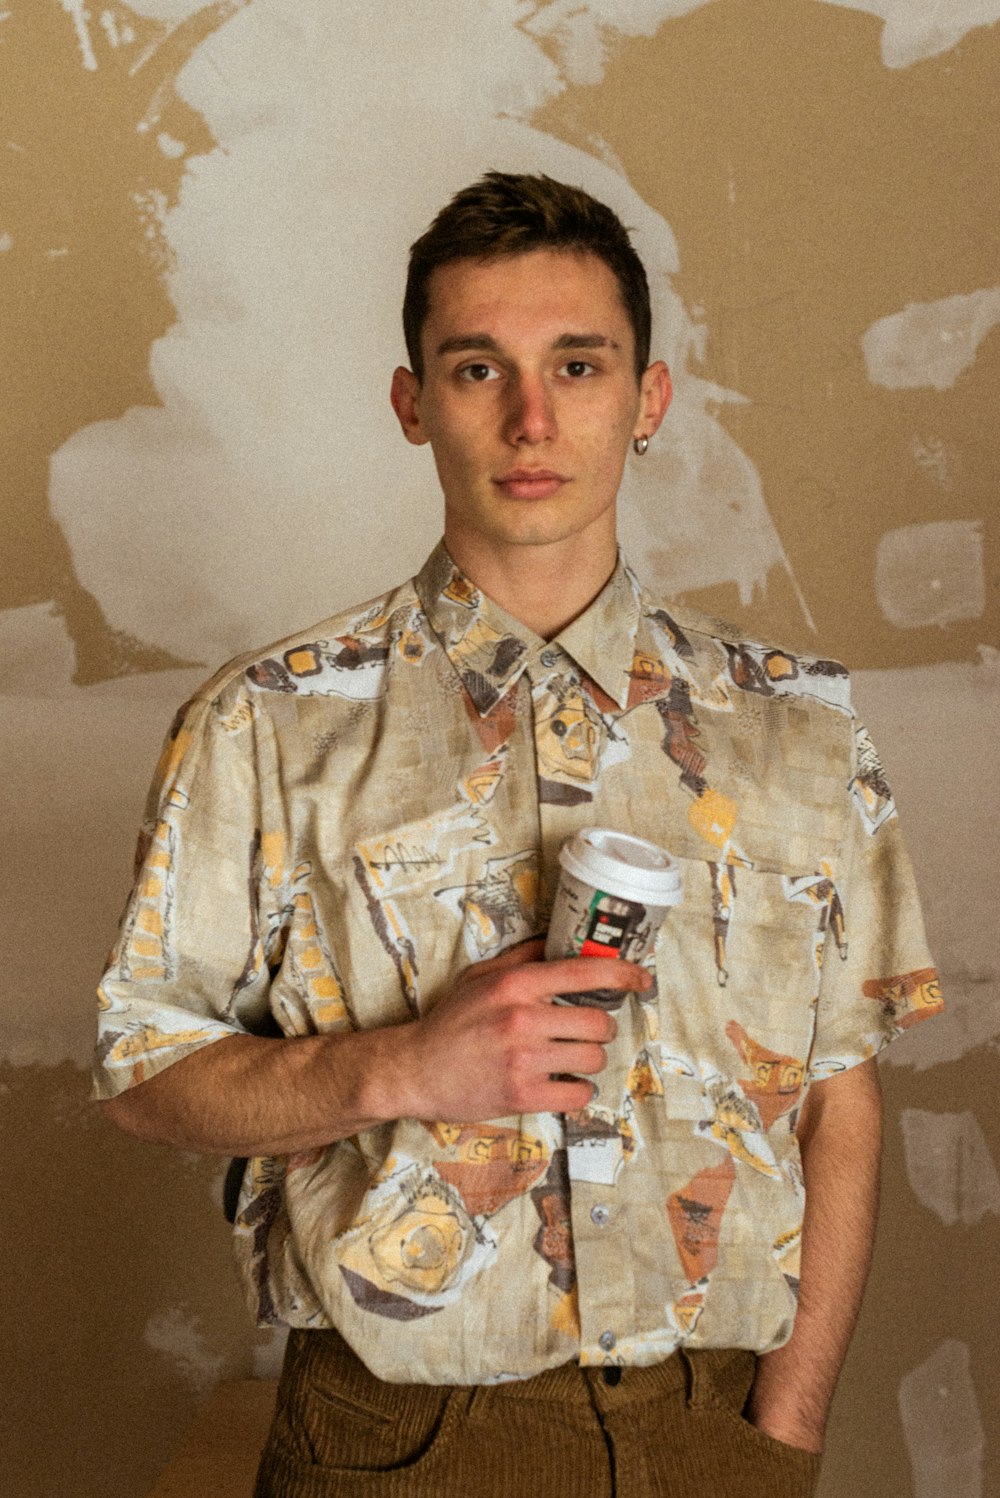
x=639, y=445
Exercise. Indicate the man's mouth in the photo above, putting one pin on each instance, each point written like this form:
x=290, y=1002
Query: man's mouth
x=530, y=483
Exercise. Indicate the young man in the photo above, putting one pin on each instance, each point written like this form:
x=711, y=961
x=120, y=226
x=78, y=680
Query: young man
x=497, y=1281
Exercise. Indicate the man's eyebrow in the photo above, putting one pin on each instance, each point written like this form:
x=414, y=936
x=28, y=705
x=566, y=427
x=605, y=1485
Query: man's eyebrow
x=470, y=343
x=584, y=340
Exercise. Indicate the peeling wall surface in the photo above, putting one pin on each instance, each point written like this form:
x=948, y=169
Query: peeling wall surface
x=205, y=211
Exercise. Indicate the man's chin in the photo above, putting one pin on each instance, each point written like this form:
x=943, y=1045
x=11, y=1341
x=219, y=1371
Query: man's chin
x=546, y=524
x=542, y=523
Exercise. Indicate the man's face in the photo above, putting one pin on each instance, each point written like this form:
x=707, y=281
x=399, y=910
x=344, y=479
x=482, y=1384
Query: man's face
x=529, y=399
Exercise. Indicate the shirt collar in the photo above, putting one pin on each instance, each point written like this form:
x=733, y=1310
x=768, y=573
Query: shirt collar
x=489, y=649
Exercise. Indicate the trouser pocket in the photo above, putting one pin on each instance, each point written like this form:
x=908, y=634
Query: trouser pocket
x=719, y=1382
x=333, y=1414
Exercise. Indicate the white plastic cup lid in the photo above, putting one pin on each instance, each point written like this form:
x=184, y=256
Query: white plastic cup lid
x=622, y=865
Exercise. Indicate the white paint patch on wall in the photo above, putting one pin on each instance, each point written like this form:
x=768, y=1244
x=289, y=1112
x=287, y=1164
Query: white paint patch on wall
x=179, y=1336
x=169, y=145
x=118, y=35
x=935, y=727
x=581, y=30
x=942, y=1425
x=938, y=460
x=949, y=1166
x=272, y=485
x=695, y=483
x=77, y=9
x=166, y=10
x=929, y=344
x=933, y=573
x=915, y=29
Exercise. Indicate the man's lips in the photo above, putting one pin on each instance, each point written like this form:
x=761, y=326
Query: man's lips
x=530, y=483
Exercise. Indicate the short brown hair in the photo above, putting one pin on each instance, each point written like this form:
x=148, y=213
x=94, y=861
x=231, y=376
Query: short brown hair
x=507, y=213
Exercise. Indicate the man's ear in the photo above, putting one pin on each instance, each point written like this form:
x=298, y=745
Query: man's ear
x=656, y=391
x=405, y=396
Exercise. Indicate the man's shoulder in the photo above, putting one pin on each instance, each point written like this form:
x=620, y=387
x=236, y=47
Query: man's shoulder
x=708, y=646
x=350, y=647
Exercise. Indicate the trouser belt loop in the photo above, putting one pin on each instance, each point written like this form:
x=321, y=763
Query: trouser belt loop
x=699, y=1389
x=479, y=1395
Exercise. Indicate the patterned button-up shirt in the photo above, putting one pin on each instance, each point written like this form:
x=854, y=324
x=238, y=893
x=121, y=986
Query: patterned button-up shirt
x=341, y=824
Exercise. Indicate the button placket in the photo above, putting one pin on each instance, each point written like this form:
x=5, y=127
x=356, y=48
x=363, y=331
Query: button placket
x=605, y=1284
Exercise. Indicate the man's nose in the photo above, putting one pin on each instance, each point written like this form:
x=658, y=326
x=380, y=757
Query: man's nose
x=531, y=417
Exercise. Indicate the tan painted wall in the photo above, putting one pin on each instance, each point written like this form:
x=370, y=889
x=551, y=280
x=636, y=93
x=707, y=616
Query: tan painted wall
x=204, y=214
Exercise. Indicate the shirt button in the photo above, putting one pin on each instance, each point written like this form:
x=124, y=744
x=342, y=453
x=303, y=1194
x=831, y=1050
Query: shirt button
x=600, y=1216
x=606, y=1340
x=548, y=657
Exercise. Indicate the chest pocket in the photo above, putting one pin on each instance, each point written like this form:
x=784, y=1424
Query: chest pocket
x=738, y=972
x=438, y=894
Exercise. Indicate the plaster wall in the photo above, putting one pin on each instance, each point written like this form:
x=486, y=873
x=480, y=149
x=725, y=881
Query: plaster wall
x=204, y=217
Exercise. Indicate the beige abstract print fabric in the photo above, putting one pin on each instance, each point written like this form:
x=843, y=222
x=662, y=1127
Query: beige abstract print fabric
x=342, y=823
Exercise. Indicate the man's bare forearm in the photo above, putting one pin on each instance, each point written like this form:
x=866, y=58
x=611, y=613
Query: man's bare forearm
x=840, y=1135
x=245, y=1095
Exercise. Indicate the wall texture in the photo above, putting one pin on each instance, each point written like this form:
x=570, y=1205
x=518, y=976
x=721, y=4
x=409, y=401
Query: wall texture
x=204, y=215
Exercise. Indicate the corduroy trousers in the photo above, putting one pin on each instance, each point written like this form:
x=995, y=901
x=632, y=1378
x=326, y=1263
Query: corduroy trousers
x=671, y=1431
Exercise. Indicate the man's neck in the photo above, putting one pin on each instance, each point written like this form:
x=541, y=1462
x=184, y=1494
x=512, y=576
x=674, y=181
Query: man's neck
x=543, y=587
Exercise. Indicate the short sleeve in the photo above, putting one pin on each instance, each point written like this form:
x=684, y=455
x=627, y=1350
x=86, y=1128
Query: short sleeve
x=878, y=978
x=187, y=968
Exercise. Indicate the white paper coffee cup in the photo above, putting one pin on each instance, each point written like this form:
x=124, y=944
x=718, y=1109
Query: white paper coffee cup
x=614, y=891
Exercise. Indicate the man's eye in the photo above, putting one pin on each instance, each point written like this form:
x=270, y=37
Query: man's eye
x=477, y=373
x=576, y=368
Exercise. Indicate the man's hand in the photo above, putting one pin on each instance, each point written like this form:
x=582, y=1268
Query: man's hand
x=497, y=1044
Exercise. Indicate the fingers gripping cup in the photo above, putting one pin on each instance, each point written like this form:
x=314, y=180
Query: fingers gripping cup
x=614, y=891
